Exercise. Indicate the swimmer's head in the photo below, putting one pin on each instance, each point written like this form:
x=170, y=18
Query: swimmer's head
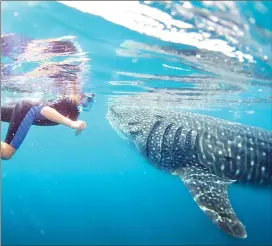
x=85, y=101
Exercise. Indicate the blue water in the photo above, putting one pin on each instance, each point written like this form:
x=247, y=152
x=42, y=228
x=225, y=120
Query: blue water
x=93, y=189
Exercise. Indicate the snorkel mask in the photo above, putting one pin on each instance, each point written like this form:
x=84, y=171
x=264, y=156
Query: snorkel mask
x=86, y=100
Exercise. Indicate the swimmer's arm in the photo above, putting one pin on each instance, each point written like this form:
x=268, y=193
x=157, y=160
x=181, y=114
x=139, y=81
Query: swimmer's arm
x=55, y=116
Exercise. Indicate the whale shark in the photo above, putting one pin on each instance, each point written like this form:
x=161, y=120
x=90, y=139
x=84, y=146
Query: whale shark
x=206, y=153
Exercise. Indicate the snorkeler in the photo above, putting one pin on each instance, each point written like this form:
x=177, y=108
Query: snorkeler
x=22, y=115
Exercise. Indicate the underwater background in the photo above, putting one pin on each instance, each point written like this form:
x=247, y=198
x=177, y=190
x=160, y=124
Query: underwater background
x=95, y=189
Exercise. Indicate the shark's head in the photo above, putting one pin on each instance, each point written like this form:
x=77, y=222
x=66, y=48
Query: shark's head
x=132, y=123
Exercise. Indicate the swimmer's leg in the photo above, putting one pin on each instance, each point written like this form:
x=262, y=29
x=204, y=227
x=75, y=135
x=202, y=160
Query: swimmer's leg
x=24, y=114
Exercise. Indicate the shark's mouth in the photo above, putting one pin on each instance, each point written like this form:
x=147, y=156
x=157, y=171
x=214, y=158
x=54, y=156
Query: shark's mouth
x=113, y=124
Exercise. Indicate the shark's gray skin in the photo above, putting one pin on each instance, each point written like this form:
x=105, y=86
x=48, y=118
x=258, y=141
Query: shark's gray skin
x=207, y=154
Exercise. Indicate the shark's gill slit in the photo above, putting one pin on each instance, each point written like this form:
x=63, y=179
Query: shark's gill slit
x=165, y=148
x=188, y=140
x=176, y=145
x=150, y=137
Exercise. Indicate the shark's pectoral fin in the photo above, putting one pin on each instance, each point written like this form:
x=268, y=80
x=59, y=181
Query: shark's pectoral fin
x=210, y=193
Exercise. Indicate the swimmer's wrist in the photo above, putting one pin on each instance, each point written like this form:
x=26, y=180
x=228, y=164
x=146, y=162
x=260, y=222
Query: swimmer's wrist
x=68, y=123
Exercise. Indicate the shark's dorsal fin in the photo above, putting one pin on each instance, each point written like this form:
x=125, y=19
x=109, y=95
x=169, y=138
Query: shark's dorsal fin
x=210, y=193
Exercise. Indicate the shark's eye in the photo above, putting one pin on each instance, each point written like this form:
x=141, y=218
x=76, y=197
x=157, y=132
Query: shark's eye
x=133, y=123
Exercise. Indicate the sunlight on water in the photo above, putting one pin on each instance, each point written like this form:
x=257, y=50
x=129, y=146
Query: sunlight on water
x=224, y=62
x=213, y=38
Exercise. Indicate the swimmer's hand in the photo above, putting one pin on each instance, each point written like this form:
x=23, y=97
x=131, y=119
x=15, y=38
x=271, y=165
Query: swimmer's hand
x=78, y=125
x=51, y=114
